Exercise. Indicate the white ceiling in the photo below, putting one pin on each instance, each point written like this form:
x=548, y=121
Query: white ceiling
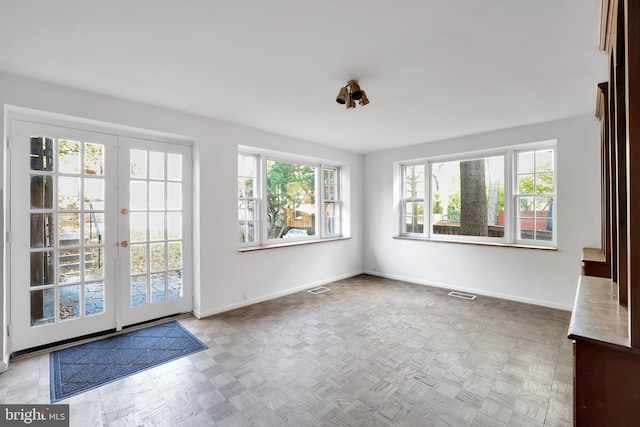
x=432, y=69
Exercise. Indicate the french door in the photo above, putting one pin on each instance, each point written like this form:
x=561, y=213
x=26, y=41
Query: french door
x=155, y=225
x=76, y=201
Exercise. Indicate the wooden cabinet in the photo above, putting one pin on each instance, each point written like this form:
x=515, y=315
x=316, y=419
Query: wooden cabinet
x=605, y=323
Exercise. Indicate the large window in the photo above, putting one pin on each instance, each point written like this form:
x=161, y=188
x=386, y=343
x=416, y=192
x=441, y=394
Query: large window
x=502, y=197
x=283, y=201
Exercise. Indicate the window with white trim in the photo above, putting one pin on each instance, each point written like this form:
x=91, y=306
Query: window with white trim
x=248, y=198
x=496, y=196
x=286, y=200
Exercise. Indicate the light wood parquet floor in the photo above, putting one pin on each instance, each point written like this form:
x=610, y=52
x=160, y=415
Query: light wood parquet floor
x=371, y=352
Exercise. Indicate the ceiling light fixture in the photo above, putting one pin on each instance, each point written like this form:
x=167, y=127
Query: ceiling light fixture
x=350, y=94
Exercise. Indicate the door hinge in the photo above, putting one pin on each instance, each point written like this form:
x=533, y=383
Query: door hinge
x=8, y=143
x=9, y=330
x=8, y=237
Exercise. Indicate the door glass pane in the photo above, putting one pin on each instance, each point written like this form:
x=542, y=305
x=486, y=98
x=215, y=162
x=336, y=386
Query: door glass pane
x=68, y=193
x=174, y=167
x=138, y=258
x=158, y=287
x=138, y=163
x=156, y=226
x=94, y=264
x=69, y=229
x=42, y=268
x=94, y=228
x=94, y=298
x=156, y=165
x=175, y=284
x=138, y=193
x=41, y=227
x=93, y=159
x=156, y=196
x=41, y=153
x=42, y=307
x=69, y=302
x=94, y=194
x=138, y=227
x=175, y=255
x=69, y=156
x=41, y=192
x=157, y=257
x=69, y=265
x=138, y=290
x=174, y=196
x=174, y=225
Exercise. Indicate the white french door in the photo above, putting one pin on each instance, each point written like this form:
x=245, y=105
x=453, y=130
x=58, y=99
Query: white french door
x=76, y=200
x=155, y=229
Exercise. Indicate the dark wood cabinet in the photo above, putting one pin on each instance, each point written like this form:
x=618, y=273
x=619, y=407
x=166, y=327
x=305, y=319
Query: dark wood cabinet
x=605, y=323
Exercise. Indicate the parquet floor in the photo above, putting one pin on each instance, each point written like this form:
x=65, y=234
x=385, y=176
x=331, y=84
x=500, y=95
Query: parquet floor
x=371, y=352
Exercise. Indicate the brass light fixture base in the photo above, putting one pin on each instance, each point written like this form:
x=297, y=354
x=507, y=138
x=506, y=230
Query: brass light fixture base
x=349, y=94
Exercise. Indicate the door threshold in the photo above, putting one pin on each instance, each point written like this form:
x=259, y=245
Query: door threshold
x=60, y=345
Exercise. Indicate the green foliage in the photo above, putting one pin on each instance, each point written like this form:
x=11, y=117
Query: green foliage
x=288, y=186
x=453, y=210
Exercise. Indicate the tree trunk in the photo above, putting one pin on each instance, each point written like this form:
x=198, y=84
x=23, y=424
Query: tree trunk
x=473, y=199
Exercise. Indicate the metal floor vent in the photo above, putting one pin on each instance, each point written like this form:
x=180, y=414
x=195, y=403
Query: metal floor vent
x=461, y=295
x=319, y=290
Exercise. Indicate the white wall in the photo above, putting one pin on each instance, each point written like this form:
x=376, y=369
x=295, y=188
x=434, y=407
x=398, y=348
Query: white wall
x=222, y=273
x=537, y=276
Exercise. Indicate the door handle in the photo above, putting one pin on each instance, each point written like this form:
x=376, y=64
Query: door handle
x=125, y=243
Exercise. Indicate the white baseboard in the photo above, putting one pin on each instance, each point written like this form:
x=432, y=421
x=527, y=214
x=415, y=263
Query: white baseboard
x=472, y=290
x=275, y=295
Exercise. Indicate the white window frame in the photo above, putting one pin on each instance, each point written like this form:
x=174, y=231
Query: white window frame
x=257, y=191
x=404, y=200
x=320, y=197
x=510, y=237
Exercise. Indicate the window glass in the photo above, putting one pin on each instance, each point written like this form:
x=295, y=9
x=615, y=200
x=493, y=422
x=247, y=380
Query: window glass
x=247, y=192
x=413, y=190
x=291, y=200
x=507, y=197
x=535, y=195
x=285, y=201
x=468, y=197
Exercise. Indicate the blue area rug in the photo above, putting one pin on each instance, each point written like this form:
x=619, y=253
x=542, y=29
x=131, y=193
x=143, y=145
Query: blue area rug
x=77, y=369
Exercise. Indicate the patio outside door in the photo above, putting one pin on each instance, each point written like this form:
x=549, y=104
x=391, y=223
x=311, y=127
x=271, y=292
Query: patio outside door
x=71, y=272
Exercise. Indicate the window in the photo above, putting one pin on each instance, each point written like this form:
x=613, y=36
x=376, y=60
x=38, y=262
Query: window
x=413, y=199
x=502, y=197
x=332, y=225
x=283, y=201
x=247, y=198
x=535, y=195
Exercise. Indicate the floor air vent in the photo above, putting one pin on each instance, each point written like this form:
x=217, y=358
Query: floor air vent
x=462, y=295
x=319, y=290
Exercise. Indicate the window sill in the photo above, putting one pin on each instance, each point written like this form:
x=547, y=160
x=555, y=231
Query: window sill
x=467, y=242
x=288, y=244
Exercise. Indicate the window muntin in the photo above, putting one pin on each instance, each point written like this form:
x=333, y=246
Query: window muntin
x=535, y=195
x=282, y=201
x=510, y=194
x=467, y=197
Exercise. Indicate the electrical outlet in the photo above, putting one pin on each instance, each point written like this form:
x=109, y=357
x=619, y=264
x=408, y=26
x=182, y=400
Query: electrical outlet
x=245, y=295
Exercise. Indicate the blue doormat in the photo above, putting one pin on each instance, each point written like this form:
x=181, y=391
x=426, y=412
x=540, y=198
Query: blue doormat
x=77, y=369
